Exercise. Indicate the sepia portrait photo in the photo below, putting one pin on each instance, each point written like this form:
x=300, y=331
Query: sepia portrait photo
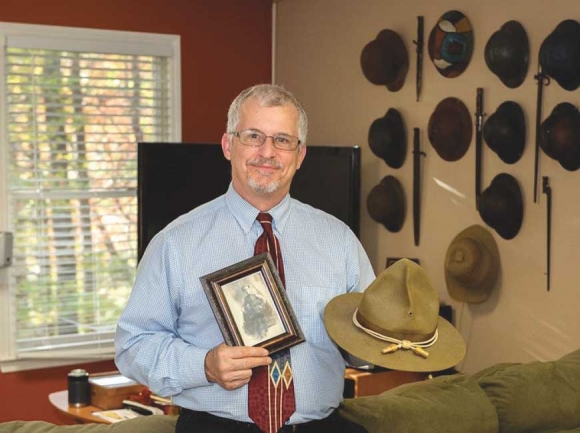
x=251, y=306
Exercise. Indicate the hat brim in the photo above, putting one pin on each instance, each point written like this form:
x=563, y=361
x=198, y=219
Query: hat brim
x=447, y=352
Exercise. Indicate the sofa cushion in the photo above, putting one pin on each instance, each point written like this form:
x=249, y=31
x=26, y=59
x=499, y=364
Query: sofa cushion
x=535, y=397
x=446, y=404
x=142, y=424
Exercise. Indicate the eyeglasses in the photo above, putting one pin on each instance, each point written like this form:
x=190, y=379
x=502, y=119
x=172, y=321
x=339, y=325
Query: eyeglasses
x=255, y=138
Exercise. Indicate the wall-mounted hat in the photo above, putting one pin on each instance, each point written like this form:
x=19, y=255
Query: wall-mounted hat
x=450, y=129
x=560, y=136
x=388, y=139
x=395, y=322
x=472, y=265
x=505, y=132
x=387, y=205
x=501, y=205
x=451, y=44
x=507, y=54
x=385, y=60
x=560, y=54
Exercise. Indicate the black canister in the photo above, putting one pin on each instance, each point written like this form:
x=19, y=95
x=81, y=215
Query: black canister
x=79, y=393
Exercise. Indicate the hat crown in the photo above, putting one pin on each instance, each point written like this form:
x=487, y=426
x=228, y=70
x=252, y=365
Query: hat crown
x=401, y=303
x=472, y=265
x=468, y=263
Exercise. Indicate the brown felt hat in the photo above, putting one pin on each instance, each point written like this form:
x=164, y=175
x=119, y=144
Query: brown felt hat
x=472, y=265
x=388, y=139
x=385, y=60
x=401, y=304
x=450, y=129
x=560, y=136
x=501, y=205
x=507, y=54
x=386, y=203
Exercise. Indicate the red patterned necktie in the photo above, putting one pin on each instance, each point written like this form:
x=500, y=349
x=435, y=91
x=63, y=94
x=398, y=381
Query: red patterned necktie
x=271, y=388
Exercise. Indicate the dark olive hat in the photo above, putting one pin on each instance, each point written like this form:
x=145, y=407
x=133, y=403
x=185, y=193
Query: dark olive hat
x=560, y=136
x=451, y=44
x=385, y=60
x=560, y=54
x=450, y=129
x=387, y=205
x=505, y=132
x=507, y=54
x=388, y=139
x=501, y=205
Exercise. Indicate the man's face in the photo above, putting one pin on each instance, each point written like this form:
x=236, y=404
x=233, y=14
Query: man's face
x=263, y=174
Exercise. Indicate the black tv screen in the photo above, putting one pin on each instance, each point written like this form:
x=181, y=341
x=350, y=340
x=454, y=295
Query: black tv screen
x=174, y=178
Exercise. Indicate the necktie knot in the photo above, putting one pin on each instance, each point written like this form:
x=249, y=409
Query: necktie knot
x=264, y=217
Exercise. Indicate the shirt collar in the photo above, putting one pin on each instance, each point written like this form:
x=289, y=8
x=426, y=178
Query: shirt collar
x=246, y=214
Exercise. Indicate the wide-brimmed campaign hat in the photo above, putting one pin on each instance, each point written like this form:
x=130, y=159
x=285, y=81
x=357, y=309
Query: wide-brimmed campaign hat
x=395, y=323
x=388, y=139
x=505, y=132
x=501, y=205
x=385, y=60
x=472, y=265
x=560, y=54
x=507, y=54
x=450, y=129
x=451, y=44
x=560, y=136
x=387, y=205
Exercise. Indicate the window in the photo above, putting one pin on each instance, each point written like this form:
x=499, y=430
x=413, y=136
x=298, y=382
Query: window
x=75, y=103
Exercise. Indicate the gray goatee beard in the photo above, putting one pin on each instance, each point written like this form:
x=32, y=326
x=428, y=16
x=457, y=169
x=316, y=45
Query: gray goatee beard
x=268, y=187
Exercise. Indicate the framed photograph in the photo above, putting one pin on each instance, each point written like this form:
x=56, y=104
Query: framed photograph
x=251, y=306
x=393, y=260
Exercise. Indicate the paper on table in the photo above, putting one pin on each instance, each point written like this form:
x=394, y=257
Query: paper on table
x=116, y=415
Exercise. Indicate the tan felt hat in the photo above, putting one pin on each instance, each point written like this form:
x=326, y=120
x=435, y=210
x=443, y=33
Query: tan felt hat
x=472, y=265
x=395, y=323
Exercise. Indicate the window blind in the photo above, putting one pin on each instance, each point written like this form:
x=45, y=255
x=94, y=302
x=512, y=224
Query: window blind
x=74, y=120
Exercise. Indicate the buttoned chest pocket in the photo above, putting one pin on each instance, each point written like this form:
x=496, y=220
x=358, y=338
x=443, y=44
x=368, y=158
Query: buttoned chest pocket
x=309, y=303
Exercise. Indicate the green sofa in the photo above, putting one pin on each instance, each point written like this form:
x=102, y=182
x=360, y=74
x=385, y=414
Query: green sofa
x=538, y=397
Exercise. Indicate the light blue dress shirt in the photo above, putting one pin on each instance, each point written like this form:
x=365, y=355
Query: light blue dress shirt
x=168, y=326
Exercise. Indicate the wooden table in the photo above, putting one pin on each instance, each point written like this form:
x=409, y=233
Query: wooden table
x=360, y=383
x=82, y=415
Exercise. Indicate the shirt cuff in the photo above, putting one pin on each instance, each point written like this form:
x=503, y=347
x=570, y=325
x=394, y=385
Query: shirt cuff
x=193, y=367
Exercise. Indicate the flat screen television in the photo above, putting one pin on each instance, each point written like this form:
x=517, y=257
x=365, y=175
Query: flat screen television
x=174, y=178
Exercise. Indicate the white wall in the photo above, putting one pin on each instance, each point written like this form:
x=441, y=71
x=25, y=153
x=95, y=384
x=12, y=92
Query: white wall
x=318, y=46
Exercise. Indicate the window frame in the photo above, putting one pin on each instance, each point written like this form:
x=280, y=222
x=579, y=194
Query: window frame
x=68, y=39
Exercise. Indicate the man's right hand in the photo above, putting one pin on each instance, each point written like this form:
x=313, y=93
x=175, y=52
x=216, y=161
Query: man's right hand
x=231, y=367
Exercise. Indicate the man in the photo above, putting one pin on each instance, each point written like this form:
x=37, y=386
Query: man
x=167, y=337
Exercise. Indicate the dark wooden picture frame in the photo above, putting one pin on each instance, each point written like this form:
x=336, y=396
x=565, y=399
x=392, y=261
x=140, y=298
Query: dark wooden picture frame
x=393, y=260
x=250, y=305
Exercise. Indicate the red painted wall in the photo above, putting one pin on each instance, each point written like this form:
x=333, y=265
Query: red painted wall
x=225, y=47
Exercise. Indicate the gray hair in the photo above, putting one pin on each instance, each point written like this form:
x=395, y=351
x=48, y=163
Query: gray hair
x=269, y=95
